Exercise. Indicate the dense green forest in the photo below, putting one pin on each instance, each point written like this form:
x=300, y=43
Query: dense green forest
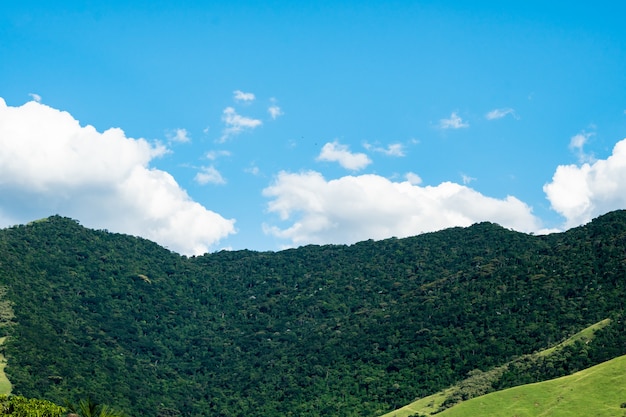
x=320, y=330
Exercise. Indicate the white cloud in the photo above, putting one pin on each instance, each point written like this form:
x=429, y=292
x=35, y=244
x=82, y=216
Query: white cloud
x=454, y=122
x=178, y=135
x=209, y=175
x=50, y=164
x=394, y=149
x=355, y=208
x=413, y=178
x=467, y=179
x=500, y=113
x=213, y=155
x=253, y=169
x=581, y=192
x=335, y=152
x=577, y=144
x=35, y=97
x=578, y=141
x=241, y=96
x=274, y=111
x=235, y=123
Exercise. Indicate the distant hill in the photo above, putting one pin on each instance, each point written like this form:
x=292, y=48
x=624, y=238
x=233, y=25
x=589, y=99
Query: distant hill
x=320, y=330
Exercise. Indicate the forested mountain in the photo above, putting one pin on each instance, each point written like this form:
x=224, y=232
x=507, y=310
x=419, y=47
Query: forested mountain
x=319, y=330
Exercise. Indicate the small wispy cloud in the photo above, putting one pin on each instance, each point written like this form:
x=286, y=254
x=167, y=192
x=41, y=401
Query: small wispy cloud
x=236, y=123
x=336, y=152
x=500, y=113
x=453, y=122
x=209, y=175
x=240, y=96
x=577, y=144
x=274, y=111
x=394, y=149
x=467, y=179
x=178, y=135
x=35, y=97
x=253, y=169
x=213, y=155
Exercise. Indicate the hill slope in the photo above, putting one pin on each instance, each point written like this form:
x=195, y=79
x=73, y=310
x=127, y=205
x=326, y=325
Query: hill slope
x=573, y=351
x=597, y=391
x=318, y=330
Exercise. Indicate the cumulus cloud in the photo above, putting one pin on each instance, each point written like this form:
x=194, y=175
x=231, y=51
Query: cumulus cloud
x=500, y=113
x=582, y=192
x=335, y=152
x=51, y=164
x=454, y=122
x=235, y=123
x=178, y=135
x=240, y=96
x=209, y=175
x=354, y=208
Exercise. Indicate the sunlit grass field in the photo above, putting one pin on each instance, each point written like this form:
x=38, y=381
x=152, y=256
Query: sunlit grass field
x=5, y=384
x=599, y=391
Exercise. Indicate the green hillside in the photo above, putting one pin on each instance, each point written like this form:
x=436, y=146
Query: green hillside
x=5, y=384
x=583, y=336
x=480, y=383
x=338, y=330
x=599, y=391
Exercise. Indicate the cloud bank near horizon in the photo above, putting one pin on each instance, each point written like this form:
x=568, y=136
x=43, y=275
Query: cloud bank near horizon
x=355, y=208
x=50, y=164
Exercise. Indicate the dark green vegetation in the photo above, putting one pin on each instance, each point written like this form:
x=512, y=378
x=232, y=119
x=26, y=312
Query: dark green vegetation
x=89, y=408
x=17, y=406
x=320, y=330
x=563, y=359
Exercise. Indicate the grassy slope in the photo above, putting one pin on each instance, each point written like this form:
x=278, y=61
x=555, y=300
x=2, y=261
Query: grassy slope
x=585, y=334
x=5, y=384
x=428, y=405
x=598, y=391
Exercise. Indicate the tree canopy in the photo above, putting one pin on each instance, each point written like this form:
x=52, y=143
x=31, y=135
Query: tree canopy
x=318, y=330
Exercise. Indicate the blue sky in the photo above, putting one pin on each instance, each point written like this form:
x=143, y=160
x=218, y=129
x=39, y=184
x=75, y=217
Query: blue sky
x=266, y=125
